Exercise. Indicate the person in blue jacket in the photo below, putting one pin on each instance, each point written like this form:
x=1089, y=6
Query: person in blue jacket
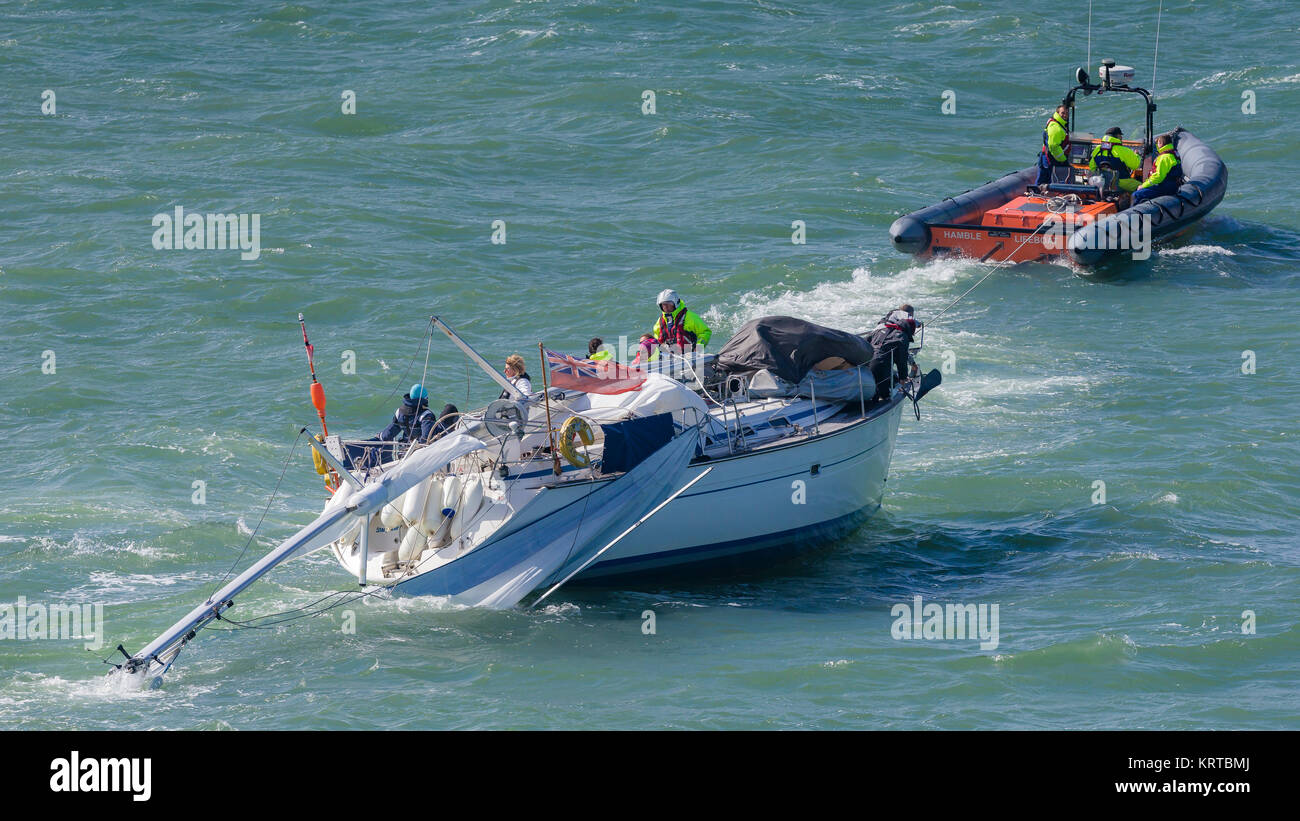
x=413, y=421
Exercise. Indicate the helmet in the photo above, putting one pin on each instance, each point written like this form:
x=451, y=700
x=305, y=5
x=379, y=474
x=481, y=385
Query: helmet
x=1114, y=131
x=668, y=295
x=418, y=392
x=903, y=320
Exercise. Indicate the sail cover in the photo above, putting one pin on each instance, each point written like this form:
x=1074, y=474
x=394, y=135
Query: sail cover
x=788, y=347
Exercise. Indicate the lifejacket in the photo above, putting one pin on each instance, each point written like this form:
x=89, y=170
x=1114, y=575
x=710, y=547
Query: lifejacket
x=407, y=418
x=1174, y=176
x=1112, y=168
x=1065, y=143
x=672, y=330
x=506, y=394
x=1105, y=158
x=907, y=326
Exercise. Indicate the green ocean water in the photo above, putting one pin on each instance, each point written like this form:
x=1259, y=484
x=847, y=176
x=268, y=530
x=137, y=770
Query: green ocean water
x=175, y=366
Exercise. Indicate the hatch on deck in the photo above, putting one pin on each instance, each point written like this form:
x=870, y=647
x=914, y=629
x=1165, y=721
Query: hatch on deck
x=1029, y=213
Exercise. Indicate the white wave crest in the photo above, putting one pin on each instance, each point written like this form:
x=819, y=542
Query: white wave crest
x=1198, y=250
x=854, y=304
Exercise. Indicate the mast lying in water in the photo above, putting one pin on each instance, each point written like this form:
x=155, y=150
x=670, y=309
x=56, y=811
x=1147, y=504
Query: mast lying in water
x=346, y=509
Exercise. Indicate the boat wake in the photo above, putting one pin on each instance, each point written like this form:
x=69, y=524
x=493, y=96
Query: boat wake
x=854, y=303
x=1197, y=251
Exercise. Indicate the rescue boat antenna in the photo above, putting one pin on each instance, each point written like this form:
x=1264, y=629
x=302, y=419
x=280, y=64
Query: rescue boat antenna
x=1155, y=55
x=1089, y=60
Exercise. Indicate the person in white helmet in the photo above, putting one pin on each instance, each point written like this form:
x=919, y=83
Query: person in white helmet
x=890, y=342
x=678, y=327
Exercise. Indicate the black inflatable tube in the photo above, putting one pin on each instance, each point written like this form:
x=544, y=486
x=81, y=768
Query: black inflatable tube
x=1205, y=184
x=911, y=234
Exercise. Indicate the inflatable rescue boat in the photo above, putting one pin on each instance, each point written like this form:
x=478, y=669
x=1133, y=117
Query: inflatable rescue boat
x=1077, y=213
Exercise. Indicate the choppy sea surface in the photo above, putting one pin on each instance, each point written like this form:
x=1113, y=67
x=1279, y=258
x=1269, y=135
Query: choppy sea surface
x=1174, y=603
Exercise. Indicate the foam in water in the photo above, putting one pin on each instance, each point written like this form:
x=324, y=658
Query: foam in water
x=852, y=305
x=562, y=609
x=1197, y=250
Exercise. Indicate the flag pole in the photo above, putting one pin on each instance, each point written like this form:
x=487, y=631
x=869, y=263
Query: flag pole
x=318, y=400
x=317, y=390
x=546, y=396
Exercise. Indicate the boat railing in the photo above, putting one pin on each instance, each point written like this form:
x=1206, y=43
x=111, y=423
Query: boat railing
x=817, y=425
x=735, y=432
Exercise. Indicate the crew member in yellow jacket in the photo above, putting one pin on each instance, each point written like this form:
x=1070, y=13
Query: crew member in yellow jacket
x=678, y=327
x=1166, y=176
x=1115, y=161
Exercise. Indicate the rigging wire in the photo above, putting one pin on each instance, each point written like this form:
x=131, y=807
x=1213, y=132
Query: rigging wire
x=301, y=612
x=427, y=350
x=996, y=266
x=262, y=518
x=402, y=378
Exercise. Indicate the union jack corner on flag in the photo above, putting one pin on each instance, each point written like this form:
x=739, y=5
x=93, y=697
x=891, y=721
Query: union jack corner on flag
x=605, y=377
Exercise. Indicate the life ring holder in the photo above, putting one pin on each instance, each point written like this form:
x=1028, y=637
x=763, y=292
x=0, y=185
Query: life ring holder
x=575, y=427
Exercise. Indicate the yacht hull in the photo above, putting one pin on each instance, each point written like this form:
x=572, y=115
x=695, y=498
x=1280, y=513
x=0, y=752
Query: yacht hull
x=767, y=499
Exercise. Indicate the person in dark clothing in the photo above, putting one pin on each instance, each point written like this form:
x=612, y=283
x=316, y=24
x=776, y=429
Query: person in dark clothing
x=446, y=421
x=906, y=308
x=413, y=421
x=890, y=342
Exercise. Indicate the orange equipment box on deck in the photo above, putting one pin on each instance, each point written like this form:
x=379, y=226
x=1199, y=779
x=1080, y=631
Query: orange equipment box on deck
x=1030, y=212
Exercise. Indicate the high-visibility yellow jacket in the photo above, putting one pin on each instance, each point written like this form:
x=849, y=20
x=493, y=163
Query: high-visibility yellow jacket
x=1166, y=163
x=1055, y=136
x=1111, y=146
x=688, y=321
